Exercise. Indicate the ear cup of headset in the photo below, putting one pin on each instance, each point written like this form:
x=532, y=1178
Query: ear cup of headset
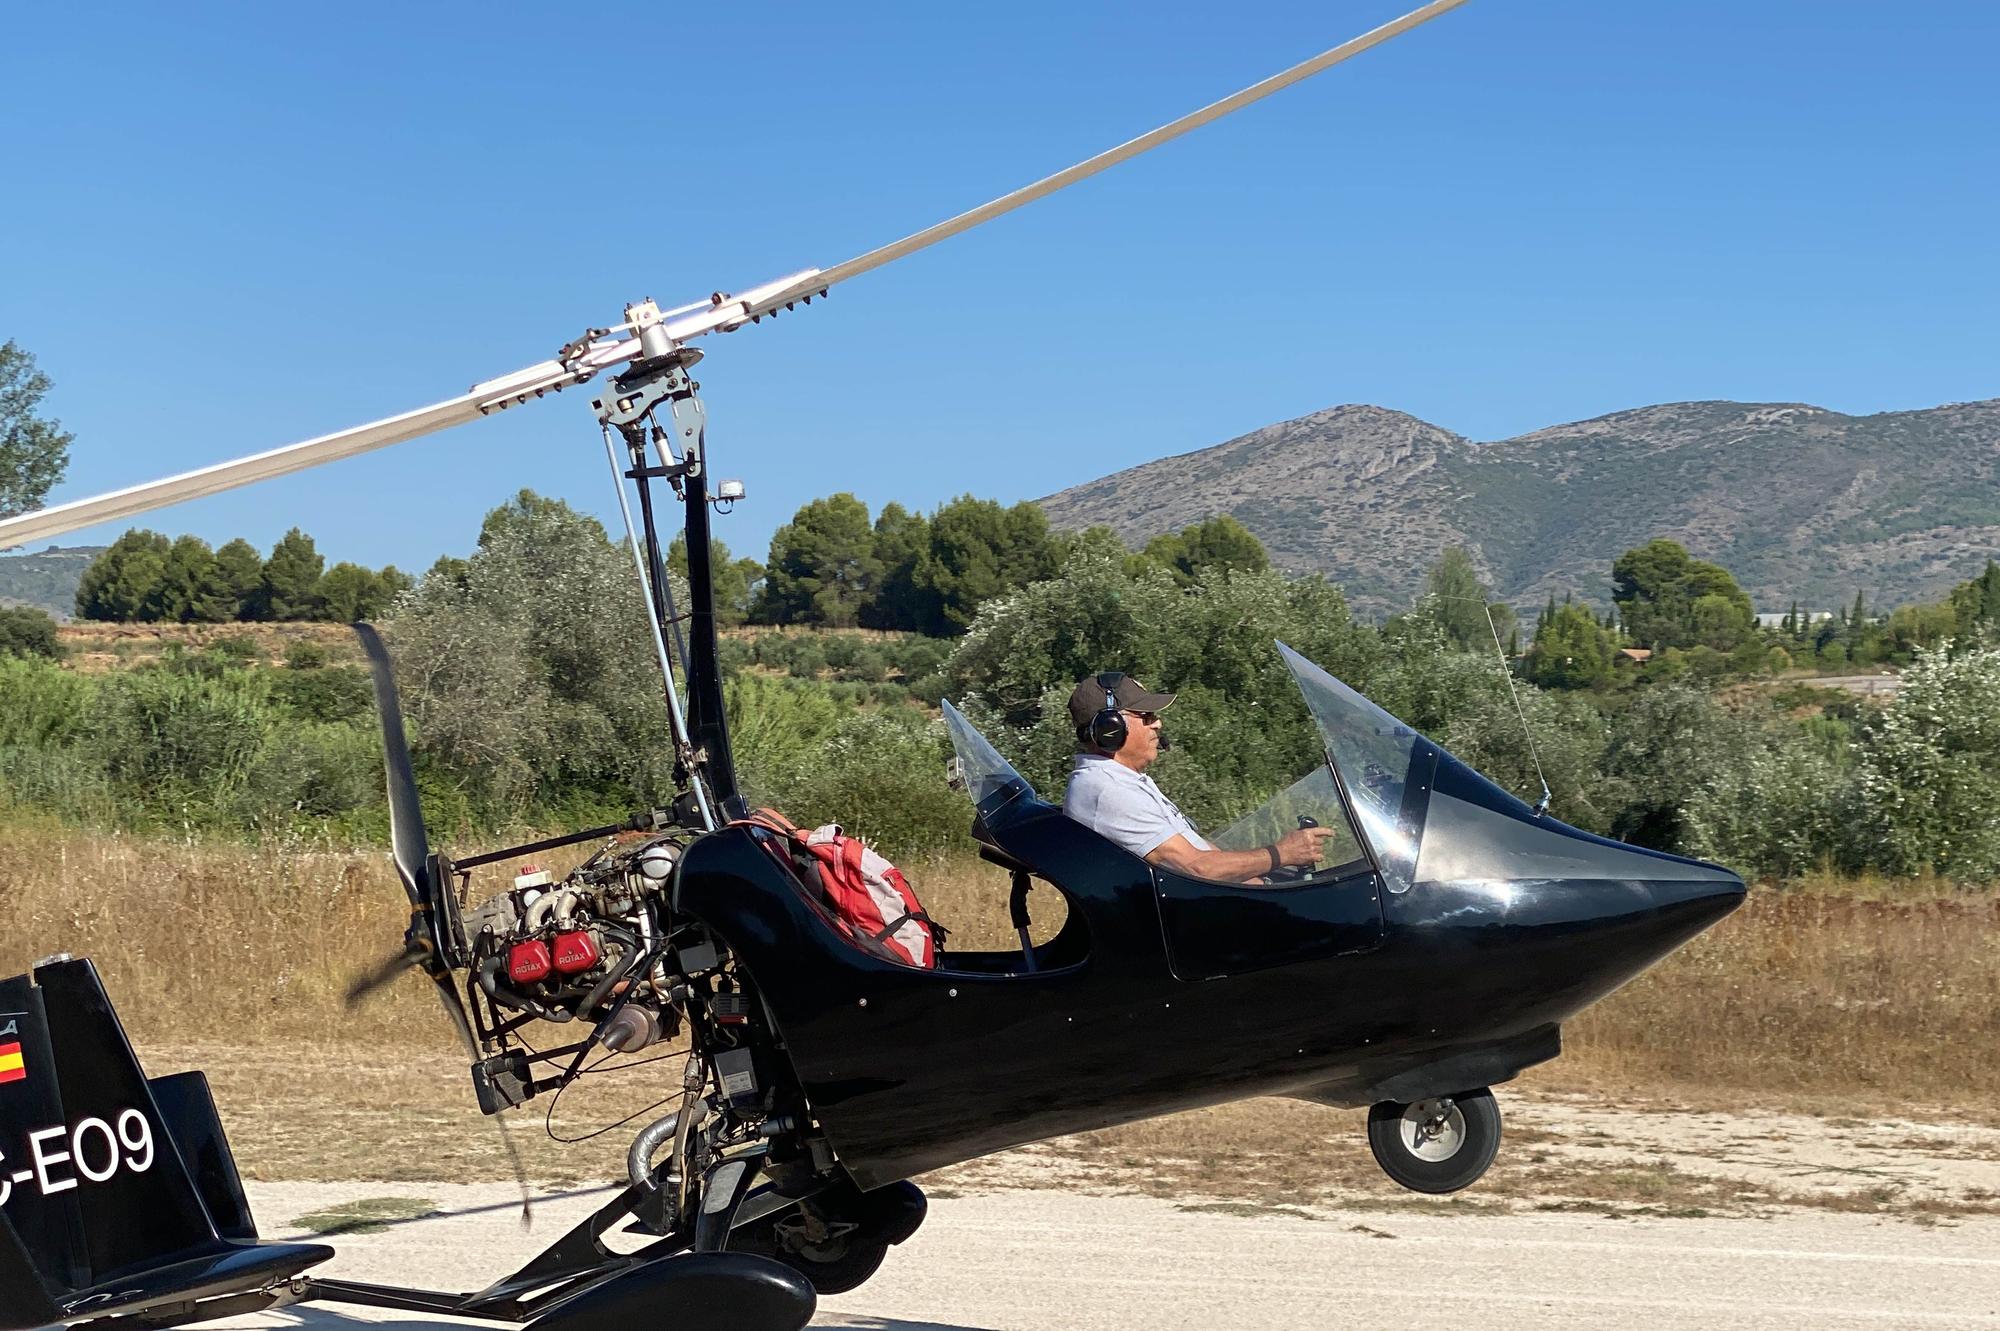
x=1107, y=728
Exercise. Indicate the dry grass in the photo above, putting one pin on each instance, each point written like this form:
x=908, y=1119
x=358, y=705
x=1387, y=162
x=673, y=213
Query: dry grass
x=93, y=648
x=1806, y=995
x=234, y=959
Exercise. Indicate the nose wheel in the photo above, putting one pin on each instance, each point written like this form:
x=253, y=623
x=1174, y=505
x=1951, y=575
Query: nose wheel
x=1436, y=1145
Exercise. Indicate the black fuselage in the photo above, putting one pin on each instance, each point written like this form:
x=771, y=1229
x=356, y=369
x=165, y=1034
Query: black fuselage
x=1162, y=993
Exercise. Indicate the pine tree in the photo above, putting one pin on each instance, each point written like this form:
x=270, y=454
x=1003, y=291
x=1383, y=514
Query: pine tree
x=822, y=568
x=902, y=538
x=289, y=586
x=189, y=566
x=233, y=581
x=122, y=582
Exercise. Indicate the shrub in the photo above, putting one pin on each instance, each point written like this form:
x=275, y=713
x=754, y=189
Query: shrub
x=314, y=770
x=1930, y=769
x=881, y=775
x=26, y=631
x=183, y=742
x=329, y=693
x=41, y=705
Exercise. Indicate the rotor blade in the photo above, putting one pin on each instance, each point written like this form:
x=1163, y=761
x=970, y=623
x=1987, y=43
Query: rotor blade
x=481, y=399
x=407, y=837
x=818, y=282
x=723, y=314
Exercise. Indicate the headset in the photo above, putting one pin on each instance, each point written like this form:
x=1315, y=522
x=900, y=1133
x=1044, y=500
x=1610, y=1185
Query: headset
x=1107, y=730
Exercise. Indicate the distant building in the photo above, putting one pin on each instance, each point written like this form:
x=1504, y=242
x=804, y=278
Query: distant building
x=1632, y=656
x=1775, y=619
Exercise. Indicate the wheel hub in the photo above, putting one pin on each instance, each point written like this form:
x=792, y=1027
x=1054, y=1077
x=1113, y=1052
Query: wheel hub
x=1433, y=1130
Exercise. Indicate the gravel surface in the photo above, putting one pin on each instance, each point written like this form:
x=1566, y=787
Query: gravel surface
x=1053, y=1261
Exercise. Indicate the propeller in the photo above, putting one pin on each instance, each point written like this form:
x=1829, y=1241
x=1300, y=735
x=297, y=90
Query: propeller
x=430, y=943
x=648, y=331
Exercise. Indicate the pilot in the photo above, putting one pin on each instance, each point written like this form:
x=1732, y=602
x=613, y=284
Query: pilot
x=1118, y=733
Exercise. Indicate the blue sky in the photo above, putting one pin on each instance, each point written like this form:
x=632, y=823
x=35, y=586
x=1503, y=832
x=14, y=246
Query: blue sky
x=228, y=227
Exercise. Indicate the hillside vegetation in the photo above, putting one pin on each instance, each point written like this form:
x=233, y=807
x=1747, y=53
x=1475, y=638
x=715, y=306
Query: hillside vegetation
x=1801, y=503
x=533, y=702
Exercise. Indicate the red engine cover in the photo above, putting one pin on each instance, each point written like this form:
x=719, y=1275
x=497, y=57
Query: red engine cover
x=576, y=952
x=528, y=963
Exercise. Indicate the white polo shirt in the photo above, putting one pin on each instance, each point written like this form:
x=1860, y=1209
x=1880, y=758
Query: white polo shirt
x=1124, y=806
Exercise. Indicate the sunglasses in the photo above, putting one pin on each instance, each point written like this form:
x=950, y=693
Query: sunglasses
x=1144, y=718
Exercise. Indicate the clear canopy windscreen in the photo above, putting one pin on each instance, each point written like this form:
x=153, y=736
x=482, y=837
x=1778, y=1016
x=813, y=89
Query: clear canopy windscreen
x=1311, y=797
x=990, y=779
x=1381, y=761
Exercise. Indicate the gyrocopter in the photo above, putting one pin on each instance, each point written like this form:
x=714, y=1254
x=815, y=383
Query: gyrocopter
x=1437, y=953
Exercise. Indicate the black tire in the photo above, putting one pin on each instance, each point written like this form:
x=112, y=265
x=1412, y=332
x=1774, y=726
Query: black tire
x=1439, y=1145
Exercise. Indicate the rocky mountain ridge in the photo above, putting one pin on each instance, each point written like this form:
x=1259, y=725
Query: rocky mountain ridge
x=1798, y=501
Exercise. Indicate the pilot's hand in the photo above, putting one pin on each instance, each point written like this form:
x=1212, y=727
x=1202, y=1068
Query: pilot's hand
x=1301, y=849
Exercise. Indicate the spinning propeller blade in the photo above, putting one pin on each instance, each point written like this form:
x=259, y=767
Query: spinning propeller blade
x=407, y=838
x=426, y=941
x=383, y=971
x=724, y=313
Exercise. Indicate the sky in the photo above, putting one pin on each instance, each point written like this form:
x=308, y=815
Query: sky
x=226, y=227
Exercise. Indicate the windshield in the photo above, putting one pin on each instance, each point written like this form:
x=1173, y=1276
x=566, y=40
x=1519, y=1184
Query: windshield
x=1385, y=765
x=989, y=779
x=1310, y=801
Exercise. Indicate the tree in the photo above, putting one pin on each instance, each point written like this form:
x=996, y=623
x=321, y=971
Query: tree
x=448, y=570
x=1977, y=602
x=1921, y=626
x=349, y=593
x=189, y=572
x=34, y=451
x=529, y=512
x=979, y=550
x=1656, y=587
x=123, y=581
x=734, y=580
x=902, y=538
x=1570, y=650
x=822, y=568
x=26, y=631
x=1930, y=770
x=234, y=577
x=289, y=586
x=528, y=670
x=1218, y=543
x=1463, y=604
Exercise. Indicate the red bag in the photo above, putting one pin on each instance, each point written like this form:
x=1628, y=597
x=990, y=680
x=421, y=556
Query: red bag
x=869, y=898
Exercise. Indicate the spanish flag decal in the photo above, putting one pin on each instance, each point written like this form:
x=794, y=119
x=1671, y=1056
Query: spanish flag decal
x=11, y=1066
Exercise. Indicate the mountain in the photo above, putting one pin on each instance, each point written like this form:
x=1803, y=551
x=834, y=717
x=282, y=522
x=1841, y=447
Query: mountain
x=1797, y=501
x=46, y=580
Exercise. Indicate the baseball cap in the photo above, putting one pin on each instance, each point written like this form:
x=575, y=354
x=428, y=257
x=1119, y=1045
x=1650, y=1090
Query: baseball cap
x=1087, y=699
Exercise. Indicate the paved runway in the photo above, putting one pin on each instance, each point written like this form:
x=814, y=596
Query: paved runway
x=1048, y=1261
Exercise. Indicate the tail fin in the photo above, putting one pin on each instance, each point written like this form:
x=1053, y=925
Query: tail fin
x=100, y=1208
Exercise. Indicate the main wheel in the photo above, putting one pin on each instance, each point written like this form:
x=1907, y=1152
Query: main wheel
x=1438, y=1145
x=834, y=1267
x=838, y=1239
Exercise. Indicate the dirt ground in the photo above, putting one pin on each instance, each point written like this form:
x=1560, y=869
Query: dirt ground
x=296, y=1114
